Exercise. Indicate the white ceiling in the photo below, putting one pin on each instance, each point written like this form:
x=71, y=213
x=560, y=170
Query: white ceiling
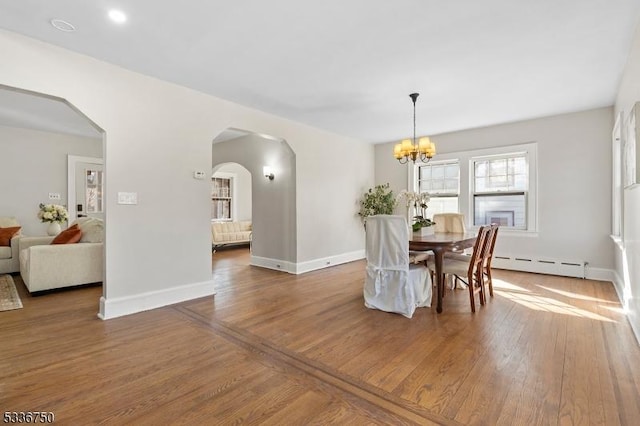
x=25, y=110
x=348, y=66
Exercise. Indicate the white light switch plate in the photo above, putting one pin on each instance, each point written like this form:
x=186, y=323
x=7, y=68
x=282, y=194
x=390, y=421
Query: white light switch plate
x=54, y=196
x=127, y=198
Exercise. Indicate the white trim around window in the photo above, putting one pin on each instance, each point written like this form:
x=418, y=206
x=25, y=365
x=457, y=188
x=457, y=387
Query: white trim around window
x=232, y=177
x=466, y=161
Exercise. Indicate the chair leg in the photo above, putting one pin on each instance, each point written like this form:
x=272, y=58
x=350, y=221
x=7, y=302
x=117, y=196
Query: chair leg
x=480, y=280
x=472, y=294
x=489, y=281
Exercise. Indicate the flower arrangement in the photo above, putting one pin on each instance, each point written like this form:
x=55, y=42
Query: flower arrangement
x=377, y=200
x=419, y=202
x=53, y=213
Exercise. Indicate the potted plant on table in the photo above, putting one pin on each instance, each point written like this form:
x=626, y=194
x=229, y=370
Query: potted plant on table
x=418, y=200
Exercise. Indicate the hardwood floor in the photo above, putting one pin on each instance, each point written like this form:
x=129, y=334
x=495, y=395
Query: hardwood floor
x=274, y=348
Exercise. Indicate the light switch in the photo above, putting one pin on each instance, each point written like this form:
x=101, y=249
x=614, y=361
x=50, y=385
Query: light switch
x=198, y=174
x=54, y=196
x=127, y=198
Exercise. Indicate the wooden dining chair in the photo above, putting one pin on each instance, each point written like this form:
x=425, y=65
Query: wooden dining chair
x=488, y=256
x=469, y=269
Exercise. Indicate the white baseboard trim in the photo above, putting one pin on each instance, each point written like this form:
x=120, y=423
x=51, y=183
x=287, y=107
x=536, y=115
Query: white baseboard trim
x=326, y=262
x=275, y=264
x=625, y=297
x=308, y=266
x=619, y=286
x=120, y=306
x=600, y=274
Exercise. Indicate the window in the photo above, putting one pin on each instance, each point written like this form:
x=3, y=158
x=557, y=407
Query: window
x=492, y=185
x=500, y=185
x=618, y=189
x=441, y=179
x=221, y=198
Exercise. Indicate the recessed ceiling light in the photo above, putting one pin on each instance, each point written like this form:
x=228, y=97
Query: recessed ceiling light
x=117, y=16
x=61, y=25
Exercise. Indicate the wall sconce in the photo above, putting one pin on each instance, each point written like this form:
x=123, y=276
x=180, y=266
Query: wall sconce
x=267, y=172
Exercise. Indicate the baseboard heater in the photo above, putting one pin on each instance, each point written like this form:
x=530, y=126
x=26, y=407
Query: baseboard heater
x=564, y=268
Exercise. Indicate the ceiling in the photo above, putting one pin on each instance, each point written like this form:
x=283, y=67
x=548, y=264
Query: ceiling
x=25, y=110
x=348, y=66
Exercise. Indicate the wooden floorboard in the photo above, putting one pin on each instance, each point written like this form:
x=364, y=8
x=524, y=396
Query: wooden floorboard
x=275, y=348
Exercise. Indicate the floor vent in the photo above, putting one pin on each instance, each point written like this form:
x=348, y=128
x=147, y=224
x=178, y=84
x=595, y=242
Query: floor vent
x=542, y=266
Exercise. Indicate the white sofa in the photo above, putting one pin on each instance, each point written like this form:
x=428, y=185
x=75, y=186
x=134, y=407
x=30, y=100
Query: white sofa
x=223, y=233
x=44, y=266
x=9, y=256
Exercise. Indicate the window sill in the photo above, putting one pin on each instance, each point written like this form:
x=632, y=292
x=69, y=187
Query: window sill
x=504, y=232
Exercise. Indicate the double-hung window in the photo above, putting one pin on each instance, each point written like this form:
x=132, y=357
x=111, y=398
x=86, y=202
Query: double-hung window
x=441, y=179
x=488, y=185
x=221, y=198
x=500, y=190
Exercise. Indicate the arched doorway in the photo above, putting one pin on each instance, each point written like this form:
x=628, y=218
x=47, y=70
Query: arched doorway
x=272, y=197
x=38, y=135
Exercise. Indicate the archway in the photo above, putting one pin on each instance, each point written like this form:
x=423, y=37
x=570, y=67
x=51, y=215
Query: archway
x=38, y=134
x=272, y=200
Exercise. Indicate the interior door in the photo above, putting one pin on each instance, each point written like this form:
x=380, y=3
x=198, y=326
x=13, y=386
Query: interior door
x=85, y=180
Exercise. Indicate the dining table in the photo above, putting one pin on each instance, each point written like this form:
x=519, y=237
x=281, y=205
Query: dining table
x=440, y=243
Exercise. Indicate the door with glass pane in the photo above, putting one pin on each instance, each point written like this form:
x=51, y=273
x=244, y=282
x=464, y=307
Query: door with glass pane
x=89, y=190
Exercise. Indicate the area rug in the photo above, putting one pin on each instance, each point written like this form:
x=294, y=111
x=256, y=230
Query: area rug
x=9, y=298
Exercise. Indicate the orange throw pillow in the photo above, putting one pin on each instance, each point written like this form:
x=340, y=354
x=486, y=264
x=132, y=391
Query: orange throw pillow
x=7, y=233
x=70, y=235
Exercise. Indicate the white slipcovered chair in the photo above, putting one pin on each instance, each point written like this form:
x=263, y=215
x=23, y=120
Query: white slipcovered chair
x=391, y=283
x=449, y=222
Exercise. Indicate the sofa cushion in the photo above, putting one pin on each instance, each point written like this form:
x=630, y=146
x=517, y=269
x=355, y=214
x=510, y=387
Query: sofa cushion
x=7, y=222
x=231, y=232
x=5, y=252
x=92, y=229
x=228, y=227
x=6, y=234
x=70, y=235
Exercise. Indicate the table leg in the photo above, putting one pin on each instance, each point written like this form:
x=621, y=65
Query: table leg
x=438, y=254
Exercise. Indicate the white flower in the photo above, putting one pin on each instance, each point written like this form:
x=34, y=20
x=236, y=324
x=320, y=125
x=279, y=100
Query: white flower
x=53, y=213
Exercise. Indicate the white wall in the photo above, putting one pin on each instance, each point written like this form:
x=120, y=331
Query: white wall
x=574, y=182
x=34, y=164
x=628, y=254
x=242, y=183
x=157, y=135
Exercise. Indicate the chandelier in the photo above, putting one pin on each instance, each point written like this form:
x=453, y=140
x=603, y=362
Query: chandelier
x=408, y=149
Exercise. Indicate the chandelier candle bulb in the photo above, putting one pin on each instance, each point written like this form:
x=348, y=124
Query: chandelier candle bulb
x=397, y=151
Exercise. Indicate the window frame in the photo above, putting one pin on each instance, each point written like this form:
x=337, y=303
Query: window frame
x=443, y=195
x=617, y=181
x=465, y=198
x=474, y=194
x=232, y=194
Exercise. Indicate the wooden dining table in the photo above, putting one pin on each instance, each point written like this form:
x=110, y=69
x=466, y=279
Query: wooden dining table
x=440, y=243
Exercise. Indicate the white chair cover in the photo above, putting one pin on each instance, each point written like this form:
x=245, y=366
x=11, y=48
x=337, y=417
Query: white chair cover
x=391, y=284
x=449, y=222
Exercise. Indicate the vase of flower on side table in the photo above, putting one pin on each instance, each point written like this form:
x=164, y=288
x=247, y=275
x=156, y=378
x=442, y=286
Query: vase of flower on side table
x=424, y=231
